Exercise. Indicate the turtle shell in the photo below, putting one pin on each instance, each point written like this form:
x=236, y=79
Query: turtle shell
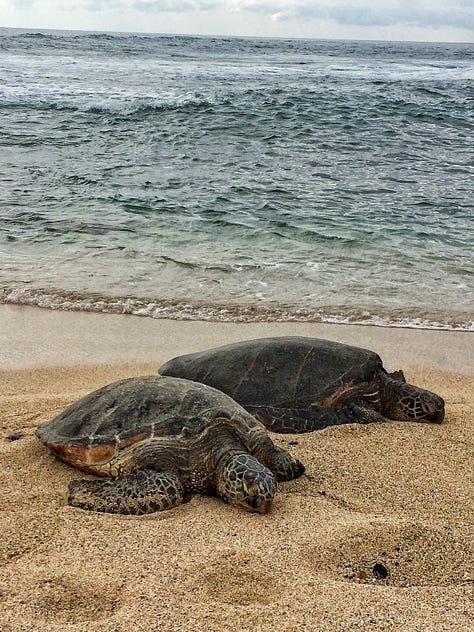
x=95, y=428
x=288, y=372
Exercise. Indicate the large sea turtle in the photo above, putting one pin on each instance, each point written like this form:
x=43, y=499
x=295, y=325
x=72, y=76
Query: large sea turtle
x=159, y=439
x=297, y=384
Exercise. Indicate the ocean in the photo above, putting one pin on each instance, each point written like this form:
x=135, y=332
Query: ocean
x=238, y=179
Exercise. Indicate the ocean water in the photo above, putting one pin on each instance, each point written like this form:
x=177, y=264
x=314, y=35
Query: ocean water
x=238, y=178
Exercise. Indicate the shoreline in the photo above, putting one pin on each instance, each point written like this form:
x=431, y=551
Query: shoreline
x=37, y=337
x=183, y=310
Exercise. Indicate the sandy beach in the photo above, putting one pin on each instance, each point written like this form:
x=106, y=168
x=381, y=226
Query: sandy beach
x=383, y=499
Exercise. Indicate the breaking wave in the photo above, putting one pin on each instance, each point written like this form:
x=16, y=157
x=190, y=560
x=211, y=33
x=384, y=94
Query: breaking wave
x=183, y=310
x=237, y=179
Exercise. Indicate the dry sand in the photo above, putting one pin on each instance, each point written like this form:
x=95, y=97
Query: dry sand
x=394, y=496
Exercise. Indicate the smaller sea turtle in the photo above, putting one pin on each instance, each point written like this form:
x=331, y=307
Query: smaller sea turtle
x=298, y=384
x=159, y=439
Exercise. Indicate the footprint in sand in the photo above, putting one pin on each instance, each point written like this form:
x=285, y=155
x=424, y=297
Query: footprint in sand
x=401, y=554
x=69, y=599
x=236, y=579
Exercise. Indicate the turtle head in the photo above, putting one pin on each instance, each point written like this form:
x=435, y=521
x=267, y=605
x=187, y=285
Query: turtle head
x=404, y=402
x=243, y=481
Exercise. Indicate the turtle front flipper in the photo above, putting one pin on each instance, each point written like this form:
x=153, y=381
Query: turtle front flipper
x=141, y=492
x=281, y=463
x=298, y=420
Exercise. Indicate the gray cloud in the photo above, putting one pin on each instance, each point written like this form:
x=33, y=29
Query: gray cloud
x=377, y=16
x=99, y=5
x=460, y=13
x=175, y=6
x=145, y=6
x=365, y=13
x=23, y=4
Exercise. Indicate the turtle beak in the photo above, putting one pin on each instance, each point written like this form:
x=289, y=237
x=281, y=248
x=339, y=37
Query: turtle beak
x=435, y=413
x=261, y=505
x=433, y=409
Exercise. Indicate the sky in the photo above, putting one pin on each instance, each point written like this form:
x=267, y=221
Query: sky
x=422, y=20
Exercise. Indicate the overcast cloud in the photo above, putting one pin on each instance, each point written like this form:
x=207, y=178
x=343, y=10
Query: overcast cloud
x=375, y=19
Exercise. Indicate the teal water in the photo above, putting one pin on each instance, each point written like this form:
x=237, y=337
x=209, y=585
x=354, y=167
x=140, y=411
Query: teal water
x=237, y=179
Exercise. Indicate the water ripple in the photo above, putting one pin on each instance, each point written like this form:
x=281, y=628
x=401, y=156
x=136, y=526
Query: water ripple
x=237, y=179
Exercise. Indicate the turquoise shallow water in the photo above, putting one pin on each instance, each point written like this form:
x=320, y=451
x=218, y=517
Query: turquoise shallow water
x=237, y=179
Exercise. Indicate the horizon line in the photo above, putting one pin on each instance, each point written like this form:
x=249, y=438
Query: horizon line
x=229, y=36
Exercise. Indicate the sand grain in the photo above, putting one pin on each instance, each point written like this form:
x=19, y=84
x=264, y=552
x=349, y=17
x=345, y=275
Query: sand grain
x=395, y=496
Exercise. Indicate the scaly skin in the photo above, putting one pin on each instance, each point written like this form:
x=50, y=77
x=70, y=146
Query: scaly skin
x=141, y=492
x=157, y=440
x=295, y=384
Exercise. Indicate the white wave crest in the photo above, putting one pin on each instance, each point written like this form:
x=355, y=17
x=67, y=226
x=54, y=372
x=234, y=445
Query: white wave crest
x=216, y=313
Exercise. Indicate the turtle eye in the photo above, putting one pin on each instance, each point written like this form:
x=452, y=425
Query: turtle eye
x=251, y=488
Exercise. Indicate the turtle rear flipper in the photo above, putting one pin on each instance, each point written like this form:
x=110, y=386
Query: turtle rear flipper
x=293, y=420
x=141, y=492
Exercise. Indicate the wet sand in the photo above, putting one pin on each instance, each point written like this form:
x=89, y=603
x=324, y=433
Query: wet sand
x=377, y=535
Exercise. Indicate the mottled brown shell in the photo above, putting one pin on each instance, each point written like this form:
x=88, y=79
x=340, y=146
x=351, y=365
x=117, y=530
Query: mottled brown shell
x=116, y=416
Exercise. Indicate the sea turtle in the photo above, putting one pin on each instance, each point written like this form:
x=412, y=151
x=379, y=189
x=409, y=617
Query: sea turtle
x=160, y=439
x=297, y=384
